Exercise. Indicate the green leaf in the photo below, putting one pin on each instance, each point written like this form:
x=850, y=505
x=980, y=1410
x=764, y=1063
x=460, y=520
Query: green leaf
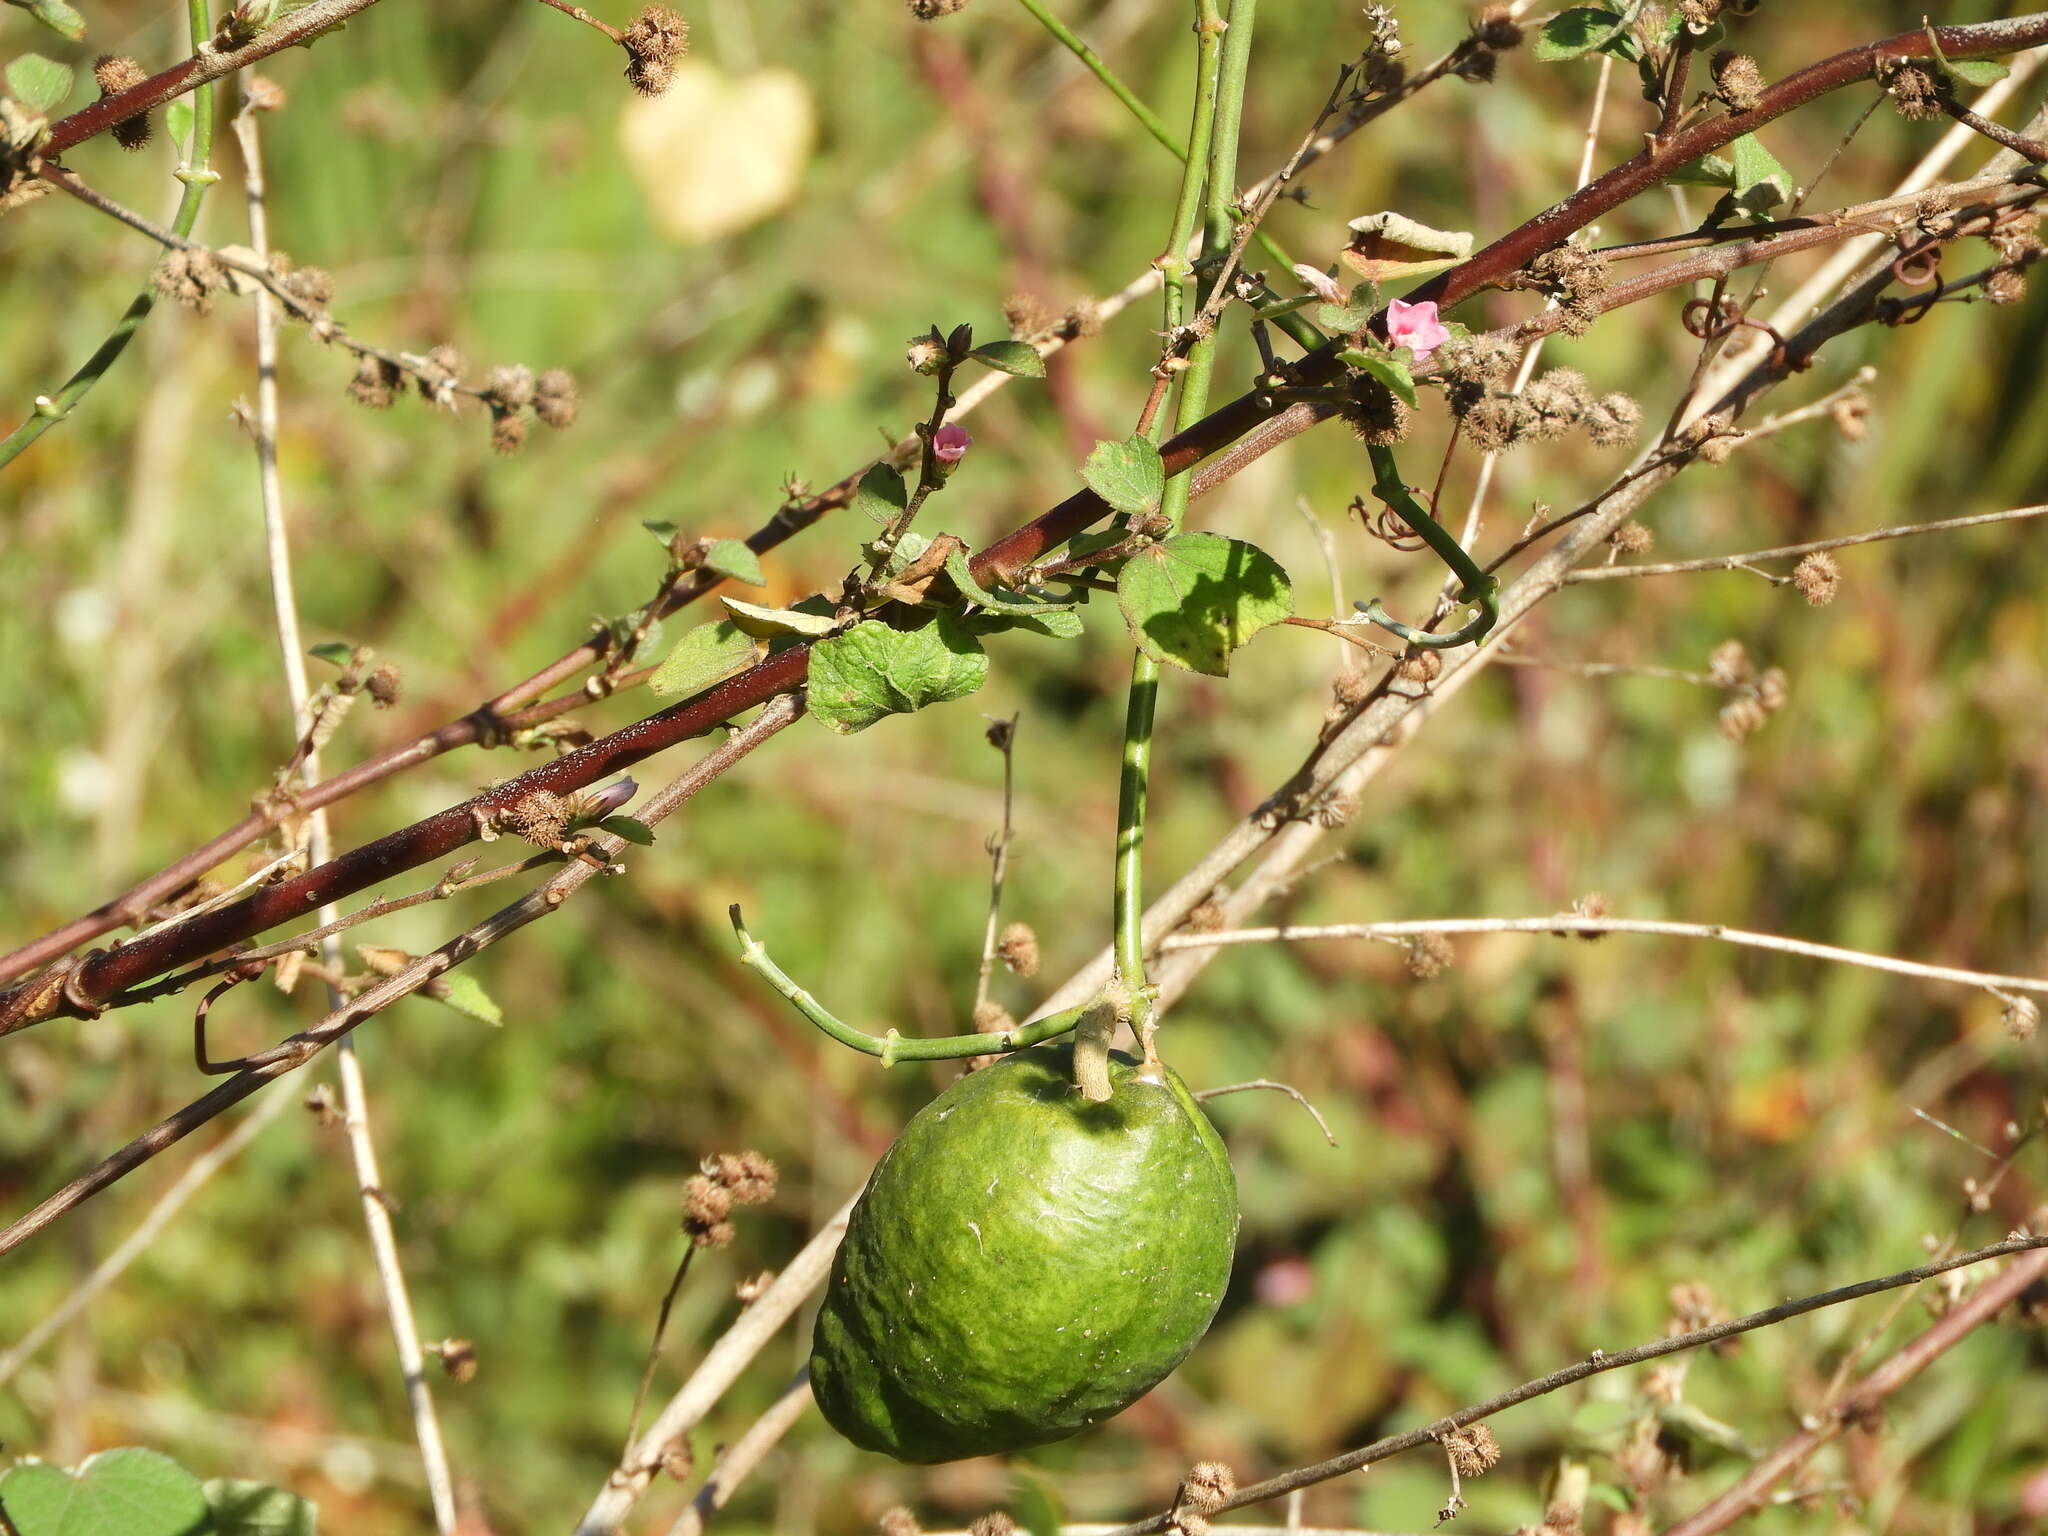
x=178, y=121
x=38, y=83
x=1012, y=357
x=1707, y=171
x=907, y=549
x=1054, y=623
x=1761, y=183
x=1385, y=367
x=733, y=560
x=55, y=15
x=242, y=1508
x=335, y=652
x=880, y=495
x=663, y=531
x=974, y=591
x=1128, y=475
x=872, y=670
x=632, y=831
x=133, y=1491
x=1194, y=598
x=1571, y=33
x=1977, y=72
x=1346, y=319
x=465, y=994
x=707, y=654
x=769, y=623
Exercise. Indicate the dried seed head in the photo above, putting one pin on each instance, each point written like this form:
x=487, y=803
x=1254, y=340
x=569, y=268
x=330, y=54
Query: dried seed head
x=1026, y=314
x=1423, y=667
x=1852, y=416
x=1739, y=718
x=1770, y=689
x=458, y=1359
x=510, y=386
x=1632, y=538
x=1817, y=577
x=1572, y=271
x=508, y=431
x=1729, y=664
x=1018, y=949
x=384, y=686
x=1496, y=423
x=540, y=816
x=932, y=10
x=1350, y=689
x=1207, y=917
x=1336, y=811
x=1385, y=29
x=748, y=1175
x=1915, y=92
x=994, y=1523
x=653, y=43
x=2021, y=1017
x=1614, y=420
x=1713, y=437
x=706, y=1204
x=1496, y=27
x=1430, y=954
x=1206, y=1489
x=1694, y=1306
x=555, y=399
x=991, y=1017
x=2008, y=285
x=1480, y=359
x=262, y=93
x=114, y=75
x=375, y=383
x=1374, y=413
x=1558, y=401
x=1699, y=14
x=192, y=278
x=1479, y=64
x=1737, y=80
x=1085, y=318
x=900, y=1522
x=1472, y=1450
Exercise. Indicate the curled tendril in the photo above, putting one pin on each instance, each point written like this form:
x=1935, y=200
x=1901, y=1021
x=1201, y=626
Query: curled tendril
x=1919, y=266
x=1386, y=525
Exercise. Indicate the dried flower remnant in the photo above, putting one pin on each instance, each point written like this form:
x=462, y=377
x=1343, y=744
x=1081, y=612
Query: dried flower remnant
x=555, y=400
x=2021, y=1017
x=1018, y=949
x=1430, y=955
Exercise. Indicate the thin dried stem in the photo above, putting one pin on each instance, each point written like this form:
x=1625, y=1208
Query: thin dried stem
x=1002, y=735
x=354, y=1090
x=1565, y=923
x=1794, y=551
x=1294, y=1093
x=739, y=1459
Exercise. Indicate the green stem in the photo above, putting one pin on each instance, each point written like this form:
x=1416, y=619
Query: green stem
x=892, y=1047
x=1479, y=588
x=197, y=174
x=1147, y=118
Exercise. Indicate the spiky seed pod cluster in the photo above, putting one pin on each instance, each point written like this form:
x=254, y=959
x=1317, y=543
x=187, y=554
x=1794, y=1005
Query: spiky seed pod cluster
x=1018, y=949
x=190, y=278
x=540, y=816
x=1205, y=1490
x=899, y=1521
x=1430, y=955
x=1817, y=578
x=1915, y=91
x=114, y=74
x=1632, y=538
x=1374, y=413
x=1754, y=696
x=656, y=39
x=1738, y=81
x=1423, y=667
x=2021, y=1017
x=727, y=1180
x=376, y=383
x=1494, y=32
x=1698, y=15
x=1575, y=277
x=932, y=10
x=1472, y=1450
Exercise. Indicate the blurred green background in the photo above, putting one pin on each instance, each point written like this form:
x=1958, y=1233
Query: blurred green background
x=1535, y=1146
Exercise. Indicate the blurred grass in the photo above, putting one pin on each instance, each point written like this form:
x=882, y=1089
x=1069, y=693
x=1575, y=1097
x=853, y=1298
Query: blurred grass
x=1747, y=1117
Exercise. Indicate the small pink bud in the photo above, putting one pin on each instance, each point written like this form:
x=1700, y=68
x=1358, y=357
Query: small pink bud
x=1320, y=283
x=1416, y=327
x=950, y=443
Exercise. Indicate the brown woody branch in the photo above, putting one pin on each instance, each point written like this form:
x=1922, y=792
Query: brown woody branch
x=81, y=988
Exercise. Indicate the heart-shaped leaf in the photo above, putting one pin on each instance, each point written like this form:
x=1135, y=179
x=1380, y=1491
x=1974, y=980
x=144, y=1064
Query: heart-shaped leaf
x=38, y=83
x=133, y=1491
x=1193, y=599
x=732, y=559
x=871, y=670
x=1127, y=475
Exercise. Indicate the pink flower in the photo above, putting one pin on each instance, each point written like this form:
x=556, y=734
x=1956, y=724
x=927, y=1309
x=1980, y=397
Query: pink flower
x=1416, y=327
x=950, y=443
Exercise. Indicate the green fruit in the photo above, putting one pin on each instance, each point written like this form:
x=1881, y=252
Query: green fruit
x=1024, y=1263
